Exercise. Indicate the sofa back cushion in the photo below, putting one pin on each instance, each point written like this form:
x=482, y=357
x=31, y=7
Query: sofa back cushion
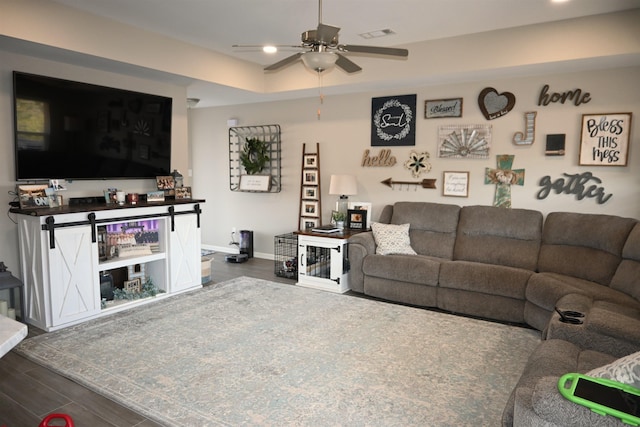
x=433, y=226
x=492, y=235
x=627, y=276
x=587, y=246
x=386, y=214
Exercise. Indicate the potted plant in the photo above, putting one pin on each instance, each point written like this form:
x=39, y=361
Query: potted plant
x=339, y=218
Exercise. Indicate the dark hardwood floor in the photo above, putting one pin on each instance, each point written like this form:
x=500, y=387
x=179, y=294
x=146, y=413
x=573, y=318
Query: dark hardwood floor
x=29, y=392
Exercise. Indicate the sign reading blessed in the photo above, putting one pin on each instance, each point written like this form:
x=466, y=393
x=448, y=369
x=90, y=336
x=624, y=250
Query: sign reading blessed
x=393, y=121
x=605, y=139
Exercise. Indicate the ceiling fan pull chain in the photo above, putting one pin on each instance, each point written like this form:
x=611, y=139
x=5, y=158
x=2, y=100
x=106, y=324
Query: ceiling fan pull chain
x=320, y=90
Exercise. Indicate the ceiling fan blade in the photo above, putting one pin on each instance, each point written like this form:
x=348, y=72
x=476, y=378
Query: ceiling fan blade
x=263, y=45
x=393, y=51
x=347, y=65
x=326, y=33
x=286, y=61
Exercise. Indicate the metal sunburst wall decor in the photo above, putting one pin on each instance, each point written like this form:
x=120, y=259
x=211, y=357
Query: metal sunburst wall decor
x=464, y=141
x=418, y=163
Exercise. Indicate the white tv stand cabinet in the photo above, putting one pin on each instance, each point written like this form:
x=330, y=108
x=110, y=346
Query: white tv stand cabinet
x=61, y=266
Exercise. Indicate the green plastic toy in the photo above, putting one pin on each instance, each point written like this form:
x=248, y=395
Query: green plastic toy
x=602, y=396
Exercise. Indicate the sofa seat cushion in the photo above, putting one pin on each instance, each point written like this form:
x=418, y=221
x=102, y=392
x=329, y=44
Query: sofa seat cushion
x=545, y=289
x=485, y=278
x=418, y=269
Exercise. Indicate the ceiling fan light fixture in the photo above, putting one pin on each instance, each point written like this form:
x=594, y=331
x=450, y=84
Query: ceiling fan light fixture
x=269, y=49
x=319, y=61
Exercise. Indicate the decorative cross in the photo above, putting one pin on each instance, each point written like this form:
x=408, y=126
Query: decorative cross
x=504, y=178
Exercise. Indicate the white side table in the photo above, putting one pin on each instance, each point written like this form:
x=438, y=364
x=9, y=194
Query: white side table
x=323, y=260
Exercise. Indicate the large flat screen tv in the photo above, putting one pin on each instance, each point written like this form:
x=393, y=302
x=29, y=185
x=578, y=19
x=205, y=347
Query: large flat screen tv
x=72, y=130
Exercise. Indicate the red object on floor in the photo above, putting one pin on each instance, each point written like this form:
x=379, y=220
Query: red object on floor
x=66, y=418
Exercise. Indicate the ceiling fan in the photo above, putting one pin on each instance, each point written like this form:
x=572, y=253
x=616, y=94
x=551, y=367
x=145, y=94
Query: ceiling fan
x=323, y=51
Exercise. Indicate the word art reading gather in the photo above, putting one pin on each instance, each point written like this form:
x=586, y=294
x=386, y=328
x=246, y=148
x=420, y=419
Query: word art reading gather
x=574, y=184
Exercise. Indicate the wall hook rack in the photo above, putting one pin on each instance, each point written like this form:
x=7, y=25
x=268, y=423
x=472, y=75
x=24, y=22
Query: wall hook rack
x=425, y=183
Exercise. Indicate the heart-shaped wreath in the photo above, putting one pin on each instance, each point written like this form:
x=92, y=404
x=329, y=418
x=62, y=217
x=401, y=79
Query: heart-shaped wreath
x=254, y=155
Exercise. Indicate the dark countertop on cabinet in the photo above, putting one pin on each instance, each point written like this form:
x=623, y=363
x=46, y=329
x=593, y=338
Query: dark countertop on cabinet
x=98, y=207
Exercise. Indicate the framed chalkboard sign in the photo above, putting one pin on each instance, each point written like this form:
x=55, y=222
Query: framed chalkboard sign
x=393, y=121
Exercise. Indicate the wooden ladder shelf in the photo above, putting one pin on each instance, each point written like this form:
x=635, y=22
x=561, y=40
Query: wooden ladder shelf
x=310, y=212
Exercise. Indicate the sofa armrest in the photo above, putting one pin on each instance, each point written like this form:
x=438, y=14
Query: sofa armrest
x=550, y=406
x=608, y=327
x=365, y=240
x=621, y=324
x=360, y=245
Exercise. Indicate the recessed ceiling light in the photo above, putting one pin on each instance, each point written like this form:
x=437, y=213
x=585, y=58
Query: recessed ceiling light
x=377, y=33
x=269, y=49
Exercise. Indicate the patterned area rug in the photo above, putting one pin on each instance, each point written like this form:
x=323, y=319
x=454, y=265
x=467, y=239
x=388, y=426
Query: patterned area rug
x=254, y=352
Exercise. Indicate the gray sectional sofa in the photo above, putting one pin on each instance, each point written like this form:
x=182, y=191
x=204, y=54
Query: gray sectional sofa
x=513, y=265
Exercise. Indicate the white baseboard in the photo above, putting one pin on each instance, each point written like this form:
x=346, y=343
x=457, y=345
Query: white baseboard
x=236, y=250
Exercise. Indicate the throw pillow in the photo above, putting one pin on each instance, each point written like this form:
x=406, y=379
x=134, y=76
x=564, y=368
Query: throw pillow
x=625, y=370
x=392, y=239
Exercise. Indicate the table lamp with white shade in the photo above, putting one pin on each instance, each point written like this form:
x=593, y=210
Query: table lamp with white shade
x=343, y=186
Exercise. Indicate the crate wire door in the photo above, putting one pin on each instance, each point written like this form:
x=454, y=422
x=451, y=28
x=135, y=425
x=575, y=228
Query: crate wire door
x=286, y=255
x=270, y=134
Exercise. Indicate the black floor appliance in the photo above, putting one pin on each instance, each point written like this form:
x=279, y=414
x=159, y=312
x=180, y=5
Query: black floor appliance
x=246, y=242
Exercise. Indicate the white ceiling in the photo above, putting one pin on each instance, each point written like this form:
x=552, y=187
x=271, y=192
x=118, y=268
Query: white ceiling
x=218, y=24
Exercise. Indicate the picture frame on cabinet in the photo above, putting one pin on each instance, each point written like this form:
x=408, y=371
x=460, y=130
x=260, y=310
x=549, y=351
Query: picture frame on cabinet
x=155, y=196
x=366, y=206
x=183, y=193
x=34, y=196
x=165, y=182
x=357, y=219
